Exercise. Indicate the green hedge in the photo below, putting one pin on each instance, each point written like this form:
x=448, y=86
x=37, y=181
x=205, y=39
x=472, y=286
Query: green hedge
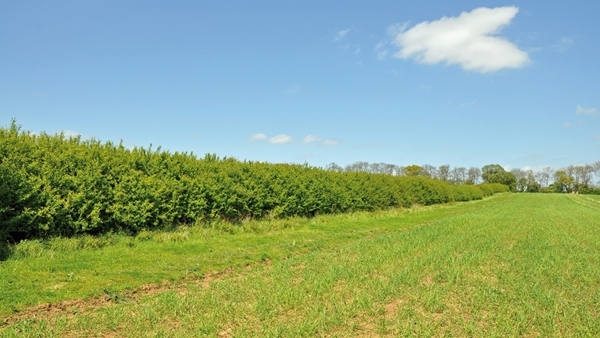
x=52, y=185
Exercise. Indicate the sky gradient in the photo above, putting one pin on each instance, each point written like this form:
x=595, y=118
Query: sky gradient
x=464, y=83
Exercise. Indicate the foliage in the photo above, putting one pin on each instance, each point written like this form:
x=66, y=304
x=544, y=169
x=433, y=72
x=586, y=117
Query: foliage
x=494, y=173
x=54, y=185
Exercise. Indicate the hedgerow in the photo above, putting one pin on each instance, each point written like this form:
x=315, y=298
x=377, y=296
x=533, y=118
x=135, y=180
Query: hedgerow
x=53, y=185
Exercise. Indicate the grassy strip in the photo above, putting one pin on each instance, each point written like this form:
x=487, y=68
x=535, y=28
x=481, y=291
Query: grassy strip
x=519, y=265
x=63, y=269
x=593, y=197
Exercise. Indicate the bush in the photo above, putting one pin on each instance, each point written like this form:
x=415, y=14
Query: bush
x=52, y=185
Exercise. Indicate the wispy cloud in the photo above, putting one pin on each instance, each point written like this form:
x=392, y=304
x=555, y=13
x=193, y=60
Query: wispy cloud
x=597, y=137
x=469, y=40
x=341, y=34
x=381, y=49
x=586, y=111
x=331, y=142
x=280, y=139
x=308, y=139
x=564, y=43
x=258, y=137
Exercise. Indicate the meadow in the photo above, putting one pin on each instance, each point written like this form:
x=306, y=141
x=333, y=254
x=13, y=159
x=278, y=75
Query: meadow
x=508, y=265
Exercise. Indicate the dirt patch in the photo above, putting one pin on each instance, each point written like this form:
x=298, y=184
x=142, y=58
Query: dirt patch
x=72, y=308
x=391, y=308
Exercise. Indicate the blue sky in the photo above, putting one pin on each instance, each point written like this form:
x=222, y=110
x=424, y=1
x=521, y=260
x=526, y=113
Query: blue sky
x=464, y=83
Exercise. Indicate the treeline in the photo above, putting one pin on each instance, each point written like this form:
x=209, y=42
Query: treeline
x=456, y=175
x=53, y=185
x=574, y=178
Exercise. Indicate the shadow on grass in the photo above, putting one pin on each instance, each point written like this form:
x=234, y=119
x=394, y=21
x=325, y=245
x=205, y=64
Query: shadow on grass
x=5, y=251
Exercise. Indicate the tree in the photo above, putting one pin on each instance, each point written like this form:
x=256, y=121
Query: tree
x=494, y=173
x=428, y=170
x=334, y=167
x=412, y=170
x=532, y=184
x=562, y=181
x=521, y=179
x=473, y=175
x=458, y=175
x=443, y=172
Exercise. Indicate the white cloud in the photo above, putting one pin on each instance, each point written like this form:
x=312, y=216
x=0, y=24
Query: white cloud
x=280, y=139
x=339, y=35
x=586, y=111
x=567, y=124
x=258, y=137
x=310, y=139
x=331, y=142
x=469, y=40
x=597, y=137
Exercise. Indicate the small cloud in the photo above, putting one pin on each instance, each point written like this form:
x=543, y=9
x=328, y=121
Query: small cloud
x=586, y=111
x=258, y=137
x=597, y=137
x=564, y=43
x=567, y=124
x=381, y=50
x=310, y=139
x=70, y=134
x=469, y=40
x=331, y=142
x=280, y=139
x=339, y=35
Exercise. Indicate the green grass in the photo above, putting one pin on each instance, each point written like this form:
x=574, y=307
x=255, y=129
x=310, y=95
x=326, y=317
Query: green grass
x=593, y=197
x=63, y=269
x=513, y=265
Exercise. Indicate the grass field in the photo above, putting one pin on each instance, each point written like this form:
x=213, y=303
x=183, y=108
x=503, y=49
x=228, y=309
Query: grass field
x=593, y=197
x=511, y=265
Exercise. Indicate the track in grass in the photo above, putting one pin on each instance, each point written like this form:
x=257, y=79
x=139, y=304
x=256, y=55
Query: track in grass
x=526, y=265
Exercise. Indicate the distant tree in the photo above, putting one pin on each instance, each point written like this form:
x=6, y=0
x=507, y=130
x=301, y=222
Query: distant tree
x=562, y=181
x=443, y=172
x=458, y=175
x=494, y=173
x=357, y=167
x=532, y=184
x=520, y=178
x=412, y=170
x=582, y=176
x=543, y=177
x=428, y=170
x=391, y=169
x=473, y=175
x=334, y=167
